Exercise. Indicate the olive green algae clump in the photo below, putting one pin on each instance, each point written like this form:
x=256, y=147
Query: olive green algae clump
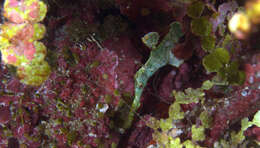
x=160, y=56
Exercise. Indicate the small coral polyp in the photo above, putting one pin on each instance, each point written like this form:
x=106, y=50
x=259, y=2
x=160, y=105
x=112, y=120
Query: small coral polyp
x=19, y=40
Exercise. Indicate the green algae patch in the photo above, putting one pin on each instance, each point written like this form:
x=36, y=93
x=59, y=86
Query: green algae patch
x=195, y=9
x=159, y=57
x=201, y=26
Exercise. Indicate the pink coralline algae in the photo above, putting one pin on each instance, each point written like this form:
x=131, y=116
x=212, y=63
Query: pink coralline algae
x=94, y=50
x=75, y=106
x=5, y=115
x=242, y=103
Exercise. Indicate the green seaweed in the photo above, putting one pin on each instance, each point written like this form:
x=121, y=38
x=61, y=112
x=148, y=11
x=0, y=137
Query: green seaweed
x=206, y=119
x=208, y=43
x=201, y=27
x=228, y=71
x=151, y=39
x=166, y=124
x=167, y=132
x=256, y=120
x=198, y=133
x=159, y=57
x=195, y=9
x=175, y=143
x=175, y=111
x=214, y=61
x=239, y=137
